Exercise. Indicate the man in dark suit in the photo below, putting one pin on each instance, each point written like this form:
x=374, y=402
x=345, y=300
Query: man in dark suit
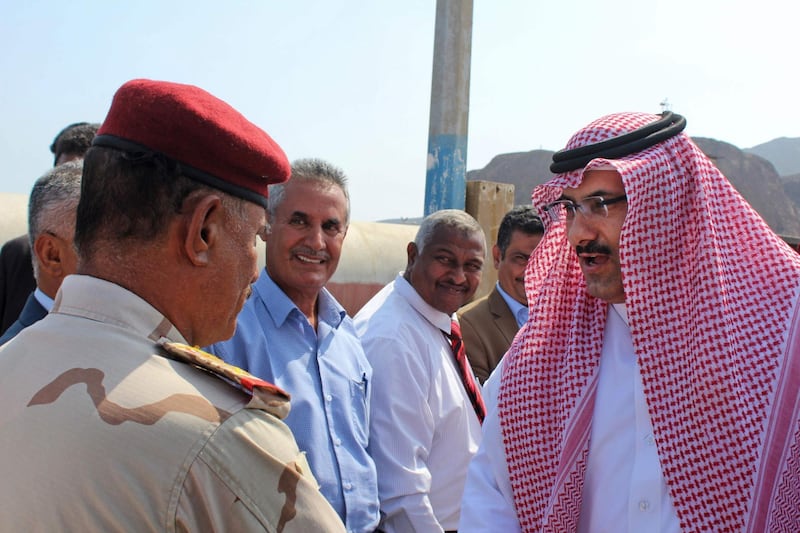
x=16, y=279
x=51, y=226
x=489, y=324
x=16, y=274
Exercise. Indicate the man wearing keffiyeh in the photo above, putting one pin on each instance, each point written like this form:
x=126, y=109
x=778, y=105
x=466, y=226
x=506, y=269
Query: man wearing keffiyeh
x=656, y=384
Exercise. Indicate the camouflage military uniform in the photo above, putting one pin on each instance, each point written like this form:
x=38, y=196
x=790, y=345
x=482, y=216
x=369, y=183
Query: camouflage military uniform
x=101, y=430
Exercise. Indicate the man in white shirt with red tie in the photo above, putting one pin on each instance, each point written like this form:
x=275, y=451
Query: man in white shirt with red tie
x=425, y=423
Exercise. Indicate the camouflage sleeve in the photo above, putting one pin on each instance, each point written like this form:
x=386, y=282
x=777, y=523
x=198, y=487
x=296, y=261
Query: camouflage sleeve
x=250, y=476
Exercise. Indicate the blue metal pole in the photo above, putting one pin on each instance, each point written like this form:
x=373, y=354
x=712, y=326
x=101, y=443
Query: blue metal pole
x=445, y=185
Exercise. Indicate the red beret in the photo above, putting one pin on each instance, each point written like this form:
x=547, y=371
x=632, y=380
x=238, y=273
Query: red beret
x=212, y=141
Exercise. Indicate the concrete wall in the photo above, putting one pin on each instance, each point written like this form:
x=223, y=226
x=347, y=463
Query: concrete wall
x=372, y=255
x=488, y=202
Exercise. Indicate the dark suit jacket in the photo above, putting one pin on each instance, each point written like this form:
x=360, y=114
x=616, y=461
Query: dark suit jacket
x=488, y=327
x=16, y=279
x=31, y=313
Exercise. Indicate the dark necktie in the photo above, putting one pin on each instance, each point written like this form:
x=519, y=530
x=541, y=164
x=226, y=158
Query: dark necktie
x=467, y=377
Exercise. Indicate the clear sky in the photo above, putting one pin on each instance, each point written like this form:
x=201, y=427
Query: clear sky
x=349, y=81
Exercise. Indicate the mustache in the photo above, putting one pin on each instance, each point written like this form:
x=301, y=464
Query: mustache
x=593, y=248
x=316, y=254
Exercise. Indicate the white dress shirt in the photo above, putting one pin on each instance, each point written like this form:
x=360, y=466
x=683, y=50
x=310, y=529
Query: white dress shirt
x=423, y=428
x=624, y=489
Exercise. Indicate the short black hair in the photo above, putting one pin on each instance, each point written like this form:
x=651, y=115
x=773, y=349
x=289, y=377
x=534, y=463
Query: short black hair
x=75, y=139
x=132, y=197
x=522, y=218
x=127, y=196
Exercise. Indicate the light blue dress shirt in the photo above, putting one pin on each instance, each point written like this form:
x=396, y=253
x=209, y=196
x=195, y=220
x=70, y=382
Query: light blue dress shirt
x=519, y=311
x=43, y=299
x=328, y=377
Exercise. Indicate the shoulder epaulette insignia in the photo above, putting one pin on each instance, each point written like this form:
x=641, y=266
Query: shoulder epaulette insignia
x=195, y=356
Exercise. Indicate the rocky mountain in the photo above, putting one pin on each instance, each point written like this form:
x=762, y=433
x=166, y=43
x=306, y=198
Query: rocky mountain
x=783, y=152
x=758, y=181
x=776, y=199
x=791, y=184
x=525, y=170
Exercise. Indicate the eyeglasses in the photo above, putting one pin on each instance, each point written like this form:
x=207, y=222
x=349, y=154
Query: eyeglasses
x=589, y=207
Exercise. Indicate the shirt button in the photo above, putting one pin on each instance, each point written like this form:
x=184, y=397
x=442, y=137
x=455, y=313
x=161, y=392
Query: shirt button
x=650, y=440
x=347, y=486
x=328, y=398
x=337, y=442
x=644, y=506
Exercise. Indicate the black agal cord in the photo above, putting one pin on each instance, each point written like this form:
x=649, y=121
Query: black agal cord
x=669, y=125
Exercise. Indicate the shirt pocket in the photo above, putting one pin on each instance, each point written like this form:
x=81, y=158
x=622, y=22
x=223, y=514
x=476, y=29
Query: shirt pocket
x=359, y=394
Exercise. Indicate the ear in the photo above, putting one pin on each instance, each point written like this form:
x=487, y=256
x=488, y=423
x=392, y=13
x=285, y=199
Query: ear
x=411, y=252
x=48, y=254
x=204, y=229
x=497, y=255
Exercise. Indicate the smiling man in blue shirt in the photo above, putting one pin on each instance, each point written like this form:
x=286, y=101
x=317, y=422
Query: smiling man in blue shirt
x=293, y=333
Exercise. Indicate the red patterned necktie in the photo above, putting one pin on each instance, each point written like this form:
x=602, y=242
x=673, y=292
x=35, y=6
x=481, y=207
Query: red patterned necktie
x=467, y=377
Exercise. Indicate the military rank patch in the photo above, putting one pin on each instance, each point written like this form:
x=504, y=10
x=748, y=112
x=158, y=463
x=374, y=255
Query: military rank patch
x=265, y=395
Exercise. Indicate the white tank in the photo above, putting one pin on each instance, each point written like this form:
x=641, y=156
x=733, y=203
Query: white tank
x=372, y=255
x=13, y=215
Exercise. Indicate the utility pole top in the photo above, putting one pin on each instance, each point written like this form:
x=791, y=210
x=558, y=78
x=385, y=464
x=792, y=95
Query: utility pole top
x=445, y=186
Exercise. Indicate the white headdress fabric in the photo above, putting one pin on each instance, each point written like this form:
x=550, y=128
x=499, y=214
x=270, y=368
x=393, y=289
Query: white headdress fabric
x=710, y=292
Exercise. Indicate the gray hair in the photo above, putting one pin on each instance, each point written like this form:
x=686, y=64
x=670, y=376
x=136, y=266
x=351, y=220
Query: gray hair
x=53, y=201
x=315, y=170
x=455, y=219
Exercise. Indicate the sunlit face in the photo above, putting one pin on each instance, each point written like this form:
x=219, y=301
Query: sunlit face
x=596, y=239
x=237, y=269
x=511, y=266
x=306, y=237
x=447, y=272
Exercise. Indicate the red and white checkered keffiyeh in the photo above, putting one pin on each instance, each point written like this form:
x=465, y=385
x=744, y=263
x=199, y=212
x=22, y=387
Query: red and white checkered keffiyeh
x=710, y=292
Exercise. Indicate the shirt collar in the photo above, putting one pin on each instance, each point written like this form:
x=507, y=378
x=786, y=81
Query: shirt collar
x=432, y=315
x=622, y=311
x=43, y=299
x=519, y=310
x=279, y=306
x=104, y=301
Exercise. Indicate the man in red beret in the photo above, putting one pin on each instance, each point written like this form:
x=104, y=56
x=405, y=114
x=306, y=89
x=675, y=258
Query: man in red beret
x=112, y=420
